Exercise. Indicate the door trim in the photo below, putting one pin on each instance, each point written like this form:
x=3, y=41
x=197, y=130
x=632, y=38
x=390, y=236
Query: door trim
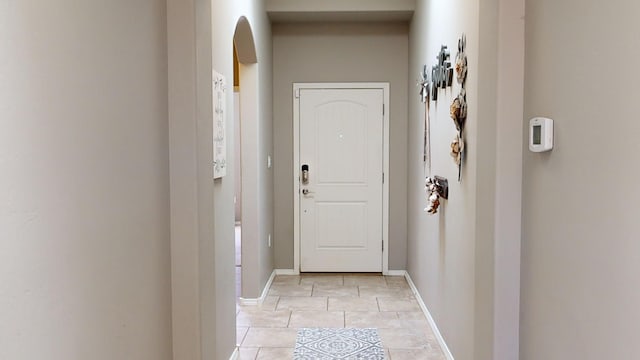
x=296, y=164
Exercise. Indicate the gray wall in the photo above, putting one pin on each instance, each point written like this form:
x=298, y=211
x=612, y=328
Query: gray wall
x=202, y=213
x=441, y=248
x=259, y=266
x=335, y=52
x=581, y=252
x=509, y=66
x=84, y=192
x=100, y=151
x=465, y=260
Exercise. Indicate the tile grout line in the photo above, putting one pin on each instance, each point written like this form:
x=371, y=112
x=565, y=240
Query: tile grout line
x=344, y=319
x=388, y=352
x=277, y=303
x=243, y=337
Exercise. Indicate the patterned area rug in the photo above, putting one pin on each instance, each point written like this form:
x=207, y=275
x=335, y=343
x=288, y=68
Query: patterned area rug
x=338, y=344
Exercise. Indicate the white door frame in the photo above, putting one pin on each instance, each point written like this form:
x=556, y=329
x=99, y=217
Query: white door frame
x=296, y=164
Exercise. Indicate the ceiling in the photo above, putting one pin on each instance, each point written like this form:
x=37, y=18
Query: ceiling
x=339, y=10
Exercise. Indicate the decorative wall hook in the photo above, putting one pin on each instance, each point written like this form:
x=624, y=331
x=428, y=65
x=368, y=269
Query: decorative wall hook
x=437, y=187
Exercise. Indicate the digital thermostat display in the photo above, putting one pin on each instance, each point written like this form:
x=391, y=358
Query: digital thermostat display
x=540, y=134
x=537, y=134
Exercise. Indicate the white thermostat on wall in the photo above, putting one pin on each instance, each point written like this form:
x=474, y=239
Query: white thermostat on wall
x=540, y=134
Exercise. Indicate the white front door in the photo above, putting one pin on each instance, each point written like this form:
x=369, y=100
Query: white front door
x=341, y=148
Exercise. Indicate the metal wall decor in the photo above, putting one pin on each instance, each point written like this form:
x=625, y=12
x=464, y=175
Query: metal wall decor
x=425, y=85
x=425, y=90
x=441, y=73
x=441, y=77
x=458, y=108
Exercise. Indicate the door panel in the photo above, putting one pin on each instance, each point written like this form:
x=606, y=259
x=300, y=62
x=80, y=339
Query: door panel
x=341, y=225
x=341, y=141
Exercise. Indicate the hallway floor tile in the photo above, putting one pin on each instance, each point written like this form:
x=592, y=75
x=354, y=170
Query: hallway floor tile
x=268, y=331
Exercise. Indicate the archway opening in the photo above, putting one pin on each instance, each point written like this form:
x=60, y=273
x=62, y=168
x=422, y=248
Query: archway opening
x=245, y=103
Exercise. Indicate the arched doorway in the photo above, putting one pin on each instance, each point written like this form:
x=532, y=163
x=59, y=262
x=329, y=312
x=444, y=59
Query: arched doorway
x=245, y=97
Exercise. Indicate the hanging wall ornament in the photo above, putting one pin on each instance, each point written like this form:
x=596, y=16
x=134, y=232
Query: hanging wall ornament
x=458, y=110
x=457, y=147
x=425, y=89
x=436, y=187
x=461, y=60
x=433, y=196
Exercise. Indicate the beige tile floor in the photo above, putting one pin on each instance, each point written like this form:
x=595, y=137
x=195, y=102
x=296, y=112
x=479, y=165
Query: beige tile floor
x=268, y=331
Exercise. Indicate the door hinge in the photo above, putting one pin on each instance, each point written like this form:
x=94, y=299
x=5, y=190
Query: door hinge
x=382, y=245
x=297, y=94
x=382, y=109
x=383, y=178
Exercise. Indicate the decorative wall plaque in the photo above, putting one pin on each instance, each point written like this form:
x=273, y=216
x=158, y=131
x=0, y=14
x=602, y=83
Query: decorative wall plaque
x=219, y=125
x=441, y=73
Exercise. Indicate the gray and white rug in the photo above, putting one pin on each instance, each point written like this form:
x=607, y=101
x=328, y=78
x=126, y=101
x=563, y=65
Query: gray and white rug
x=338, y=344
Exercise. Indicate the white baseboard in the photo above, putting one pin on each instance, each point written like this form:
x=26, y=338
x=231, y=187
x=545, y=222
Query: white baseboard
x=286, y=272
x=395, y=273
x=265, y=291
x=235, y=355
x=427, y=314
